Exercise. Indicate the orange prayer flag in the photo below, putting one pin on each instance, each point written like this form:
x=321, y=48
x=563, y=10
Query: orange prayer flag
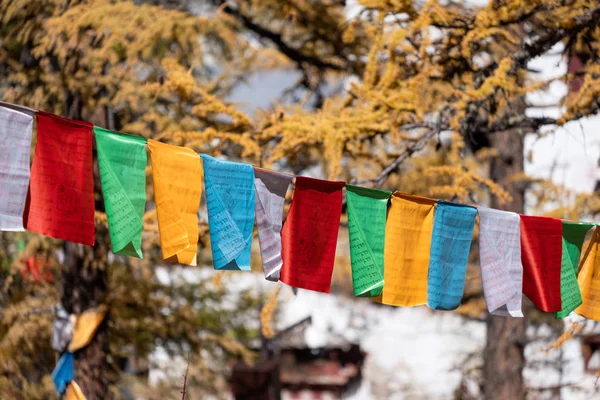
x=407, y=246
x=177, y=177
x=74, y=392
x=589, y=280
x=85, y=327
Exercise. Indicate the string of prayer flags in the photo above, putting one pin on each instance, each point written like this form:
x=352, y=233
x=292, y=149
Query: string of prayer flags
x=367, y=212
x=22, y=109
x=85, y=327
x=177, y=178
x=15, y=145
x=230, y=200
x=60, y=203
x=573, y=237
x=589, y=280
x=407, y=246
x=63, y=372
x=122, y=161
x=74, y=392
x=309, y=235
x=453, y=226
x=541, y=255
x=271, y=188
x=500, y=258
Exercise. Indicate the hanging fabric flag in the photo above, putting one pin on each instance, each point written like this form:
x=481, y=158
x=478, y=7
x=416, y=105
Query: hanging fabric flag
x=74, y=392
x=270, y=196
x=407, y=246
x=85, y=327
x=62, y=331
x=122, y=161
x=500, y=258
x=60, y=203
x=450, y=244
x=230, y=198
x=541, y=254
x=589, y=280
x=63, y=372
x=573, y=238
x=15, y=144
x=309, y=235
x=367, y=212
x=177, y=178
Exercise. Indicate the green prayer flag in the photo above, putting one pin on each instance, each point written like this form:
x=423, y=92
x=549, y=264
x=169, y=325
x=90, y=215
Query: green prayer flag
x=367, y=212
x=573, y=238
x=122, y=161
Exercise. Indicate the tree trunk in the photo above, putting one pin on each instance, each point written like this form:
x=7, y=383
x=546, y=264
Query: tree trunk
x=85, y=286
x=503, y=356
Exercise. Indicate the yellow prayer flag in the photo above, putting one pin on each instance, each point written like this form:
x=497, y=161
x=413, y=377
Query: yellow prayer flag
x=407, y=245
x=177, y=177
x=589, y=280
x=86, y=326
x=74, y=392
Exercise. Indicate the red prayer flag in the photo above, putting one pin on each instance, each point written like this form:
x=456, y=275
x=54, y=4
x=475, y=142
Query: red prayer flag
x=60, y=202
x=310, y=232
x=541, y=254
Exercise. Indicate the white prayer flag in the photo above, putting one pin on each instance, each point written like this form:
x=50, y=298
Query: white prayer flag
x=270, y=196
x=500, y=258
x=15, y=147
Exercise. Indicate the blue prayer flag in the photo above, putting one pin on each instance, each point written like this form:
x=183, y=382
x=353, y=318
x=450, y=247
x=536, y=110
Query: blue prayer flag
x=63, y=372
x=450, y=243
x=230, y=198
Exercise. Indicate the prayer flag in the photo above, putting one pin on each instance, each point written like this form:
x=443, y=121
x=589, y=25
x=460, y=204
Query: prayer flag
x=230, y=200
x=500, y=258
x=122, y=161
x=63, y=372
x=309, y=235
x=541, y=254
x=62, y=331
x=407, y=247
x=85, y=327
x=60, y=202
x=450, y=244
x=74, y=392
x=367, y=212
x=270, y=196
x=177, y=178
x=573, y=238
x=15, y=147
x=589, y=280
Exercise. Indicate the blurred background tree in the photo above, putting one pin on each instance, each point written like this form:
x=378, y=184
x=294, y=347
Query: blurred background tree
x=426, y=96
